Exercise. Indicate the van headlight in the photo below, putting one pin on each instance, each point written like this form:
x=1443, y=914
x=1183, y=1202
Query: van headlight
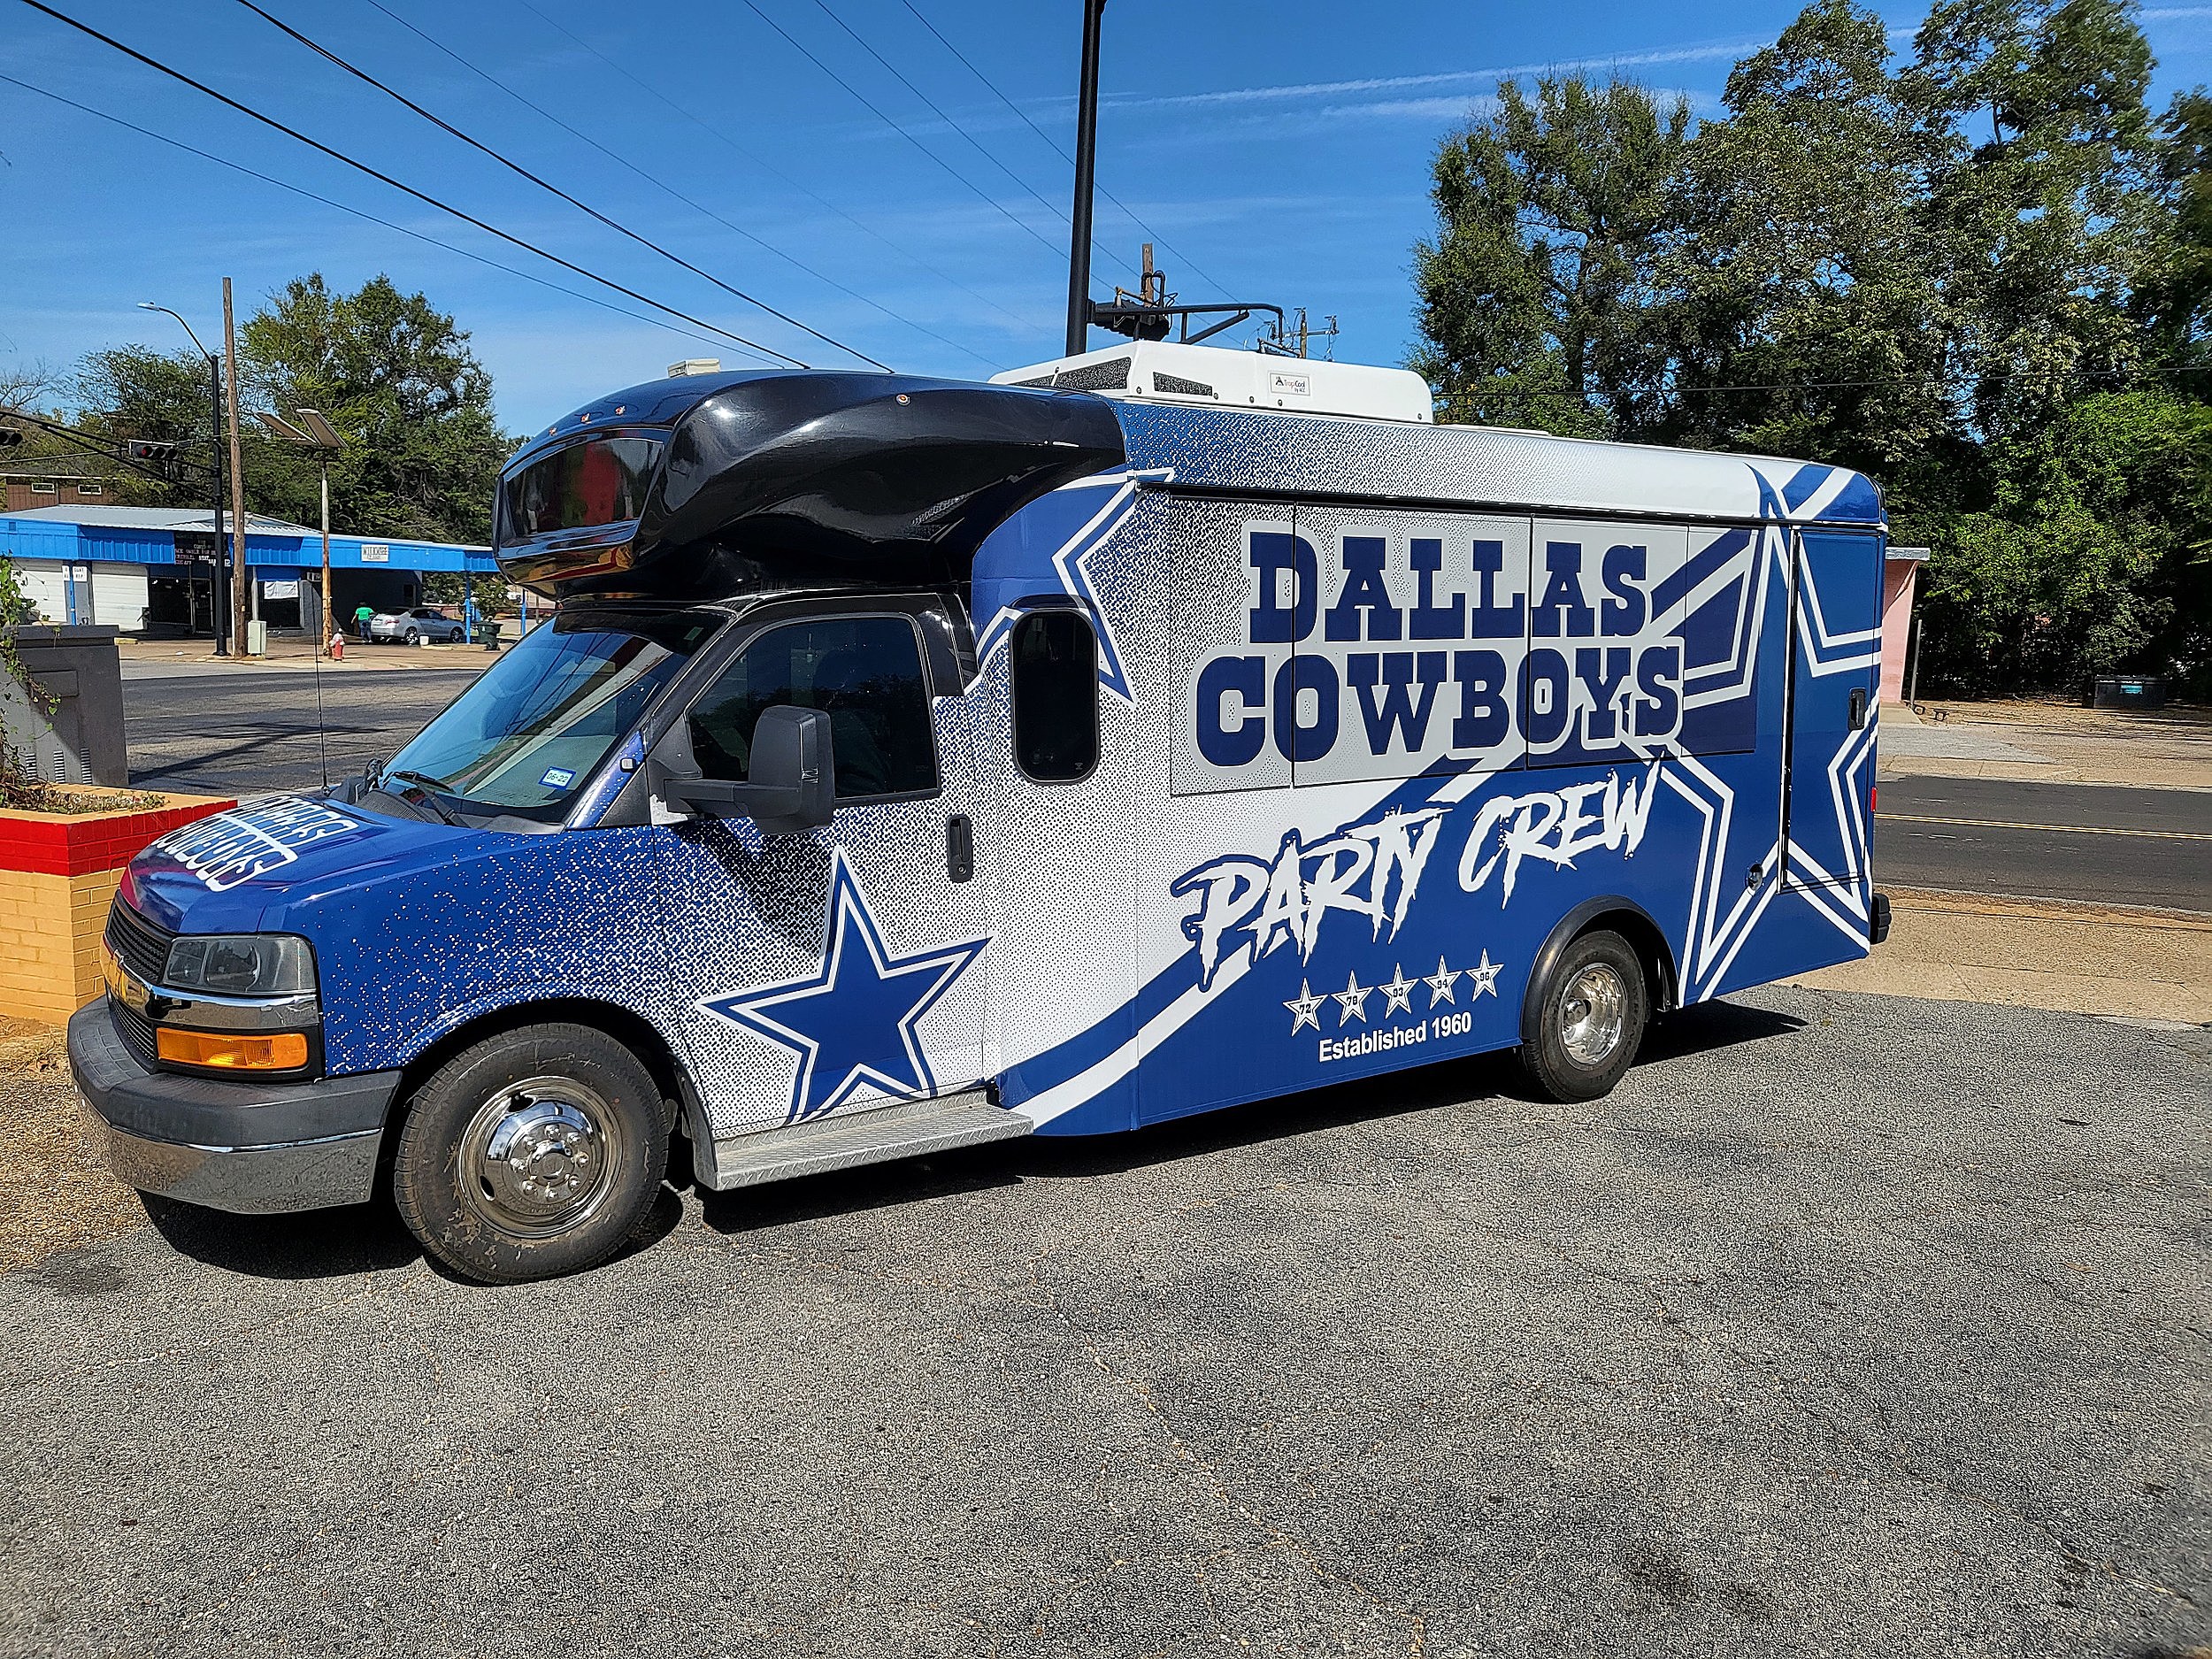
x=240, y=964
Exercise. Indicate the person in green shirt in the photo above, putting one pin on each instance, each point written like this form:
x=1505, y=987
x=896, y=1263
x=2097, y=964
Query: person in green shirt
x=361, y=616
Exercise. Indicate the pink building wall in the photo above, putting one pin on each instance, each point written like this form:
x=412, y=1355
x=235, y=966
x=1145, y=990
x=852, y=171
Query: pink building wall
x=1900, y=572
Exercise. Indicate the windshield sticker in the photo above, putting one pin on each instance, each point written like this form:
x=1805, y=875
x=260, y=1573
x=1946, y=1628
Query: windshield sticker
x=558, y=777
x=236, y=846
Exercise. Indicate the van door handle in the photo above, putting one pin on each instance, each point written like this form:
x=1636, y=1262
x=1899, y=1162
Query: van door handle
x=1858, y=708
x=959, y=847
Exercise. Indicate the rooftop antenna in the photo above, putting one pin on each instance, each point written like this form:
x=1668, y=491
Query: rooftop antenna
x=1145, y=315
x=1086, y=166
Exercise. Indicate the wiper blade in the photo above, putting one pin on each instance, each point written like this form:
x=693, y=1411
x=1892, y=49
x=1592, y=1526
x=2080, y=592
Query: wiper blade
x=424, y=786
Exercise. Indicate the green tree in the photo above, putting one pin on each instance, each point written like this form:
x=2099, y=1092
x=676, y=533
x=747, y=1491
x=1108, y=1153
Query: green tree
x=2178, y=306
x=133, y=391
x=395, y=376
x=2041, y=198
x=1537, y=293
x=1804, y=315
x=2089, y=557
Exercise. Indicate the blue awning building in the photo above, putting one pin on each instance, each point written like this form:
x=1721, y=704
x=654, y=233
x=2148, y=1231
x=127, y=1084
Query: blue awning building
x=150, y=570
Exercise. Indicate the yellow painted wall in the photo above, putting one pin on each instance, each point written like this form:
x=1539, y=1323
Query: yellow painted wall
x=50, y=942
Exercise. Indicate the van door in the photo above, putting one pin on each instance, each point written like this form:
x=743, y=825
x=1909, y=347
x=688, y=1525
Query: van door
x=1835, y=664
x=848, y=966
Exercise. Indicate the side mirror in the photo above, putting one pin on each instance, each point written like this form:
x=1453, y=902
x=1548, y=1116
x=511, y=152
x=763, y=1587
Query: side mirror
x=792, y=782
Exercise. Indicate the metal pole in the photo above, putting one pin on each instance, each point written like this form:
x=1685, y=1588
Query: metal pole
x=219, y=585
x=1912, y=685
x=324, y=626
x=1086, y=164
x=237, y=477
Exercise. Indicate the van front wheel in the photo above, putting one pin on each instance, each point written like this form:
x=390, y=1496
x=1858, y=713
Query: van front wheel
x=1589, y=1019
x=531, y=1154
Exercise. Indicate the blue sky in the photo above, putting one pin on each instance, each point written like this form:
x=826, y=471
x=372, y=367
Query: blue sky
x=1276, y=151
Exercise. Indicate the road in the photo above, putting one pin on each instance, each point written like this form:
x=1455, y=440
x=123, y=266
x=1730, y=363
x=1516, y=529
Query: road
x=247, y=733
x=2051, y=840
x=239, y=733
x=1847, y=1325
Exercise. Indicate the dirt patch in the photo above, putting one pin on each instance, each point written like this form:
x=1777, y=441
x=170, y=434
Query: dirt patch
x=54, y=1193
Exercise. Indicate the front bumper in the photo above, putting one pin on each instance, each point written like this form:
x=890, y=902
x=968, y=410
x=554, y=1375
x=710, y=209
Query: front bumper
x=253, y=1148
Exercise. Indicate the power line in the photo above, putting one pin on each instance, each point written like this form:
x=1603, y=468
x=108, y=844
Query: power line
x=716, y=133
x=409, y=190
x=404, y=230
x=662, y=185
x=937, y=110
x=982, y=195
x=520, y=171
x=992, y=86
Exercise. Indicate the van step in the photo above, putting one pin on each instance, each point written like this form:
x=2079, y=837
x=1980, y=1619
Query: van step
x=907, y=1129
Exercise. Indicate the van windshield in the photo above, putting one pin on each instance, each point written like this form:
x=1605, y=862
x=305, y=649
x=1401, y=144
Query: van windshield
x=527, y=736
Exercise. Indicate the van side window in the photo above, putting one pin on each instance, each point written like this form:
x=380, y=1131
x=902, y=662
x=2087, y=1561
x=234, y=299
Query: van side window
x=864, y=673
x=1053, y=660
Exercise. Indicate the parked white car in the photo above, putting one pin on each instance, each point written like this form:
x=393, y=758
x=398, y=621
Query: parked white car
x=412, y=627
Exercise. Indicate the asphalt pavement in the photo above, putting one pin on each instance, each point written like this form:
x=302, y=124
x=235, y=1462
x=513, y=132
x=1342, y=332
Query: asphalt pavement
x=252, y=730
x=2092, y=842
x=1847, y=1325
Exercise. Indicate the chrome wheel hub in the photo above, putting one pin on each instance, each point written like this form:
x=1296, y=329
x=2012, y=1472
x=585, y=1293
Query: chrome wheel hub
x=1593, y=1013
x=535, y=1158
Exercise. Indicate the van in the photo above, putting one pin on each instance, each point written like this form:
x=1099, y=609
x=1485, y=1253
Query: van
x=909, y=764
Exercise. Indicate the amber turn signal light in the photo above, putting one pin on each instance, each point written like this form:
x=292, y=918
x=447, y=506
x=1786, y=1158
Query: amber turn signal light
x=232, y=1051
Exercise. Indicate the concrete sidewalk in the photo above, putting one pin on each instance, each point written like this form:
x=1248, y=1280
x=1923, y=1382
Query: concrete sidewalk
x=2138, y=965
x=161, y=659
x=2048, y=741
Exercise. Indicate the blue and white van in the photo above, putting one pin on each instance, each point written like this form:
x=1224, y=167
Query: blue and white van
x=909, y=763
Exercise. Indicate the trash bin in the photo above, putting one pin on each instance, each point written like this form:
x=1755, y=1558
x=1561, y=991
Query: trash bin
x=2128, y=691
x=257, y=638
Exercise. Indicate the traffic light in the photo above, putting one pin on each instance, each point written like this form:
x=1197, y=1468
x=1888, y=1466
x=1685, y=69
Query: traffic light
x=151, y=451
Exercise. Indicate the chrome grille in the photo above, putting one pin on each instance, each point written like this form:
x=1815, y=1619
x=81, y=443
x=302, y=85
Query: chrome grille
x=137, y=943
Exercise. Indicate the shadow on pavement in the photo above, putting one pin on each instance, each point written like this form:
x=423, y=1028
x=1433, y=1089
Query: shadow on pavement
x=1698, y=1030
x=334, y=1243
x=318, y=1244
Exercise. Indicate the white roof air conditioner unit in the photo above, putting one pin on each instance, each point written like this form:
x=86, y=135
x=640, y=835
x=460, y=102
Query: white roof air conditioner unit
x=1163, y=371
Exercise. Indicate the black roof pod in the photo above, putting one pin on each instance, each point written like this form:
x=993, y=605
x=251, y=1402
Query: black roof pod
x=777, y=481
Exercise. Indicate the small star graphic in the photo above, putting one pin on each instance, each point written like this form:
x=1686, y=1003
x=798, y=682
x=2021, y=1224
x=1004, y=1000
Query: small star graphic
x=1305, y=1009
x=1398, y=992
x=1484, y=976
x=1439, y=983
x=1351, y=1002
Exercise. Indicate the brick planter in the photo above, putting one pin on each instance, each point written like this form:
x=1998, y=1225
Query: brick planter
x=58, y=872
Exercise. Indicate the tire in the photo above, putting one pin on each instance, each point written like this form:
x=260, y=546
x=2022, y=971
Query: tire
x=413, y=637
x=1589, y=1021
x=456, y=637
x=541, y=1093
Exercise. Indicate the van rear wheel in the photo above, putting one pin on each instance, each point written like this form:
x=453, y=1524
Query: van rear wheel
x=533, y=1153
x=1590, y=1016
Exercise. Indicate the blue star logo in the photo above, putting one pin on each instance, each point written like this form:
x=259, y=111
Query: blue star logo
x=852, y=1021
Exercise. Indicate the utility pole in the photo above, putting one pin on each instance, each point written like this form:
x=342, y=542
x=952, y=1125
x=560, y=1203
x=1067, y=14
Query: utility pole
x=238, y=572
x=218, y=592
x=1086, y=165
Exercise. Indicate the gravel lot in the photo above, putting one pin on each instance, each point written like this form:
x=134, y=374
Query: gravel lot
x=1850, y=1326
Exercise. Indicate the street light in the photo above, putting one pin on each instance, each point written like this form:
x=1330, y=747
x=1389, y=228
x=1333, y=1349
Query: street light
x=319, y=434
x=215, y=441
